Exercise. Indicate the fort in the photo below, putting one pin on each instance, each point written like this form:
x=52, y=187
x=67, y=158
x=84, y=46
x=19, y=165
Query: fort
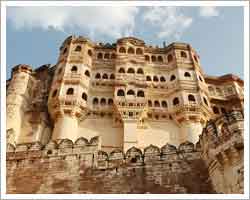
x=124, y=118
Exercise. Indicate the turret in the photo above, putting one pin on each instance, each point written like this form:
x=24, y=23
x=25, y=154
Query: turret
x=17, y=100
x=68, y=97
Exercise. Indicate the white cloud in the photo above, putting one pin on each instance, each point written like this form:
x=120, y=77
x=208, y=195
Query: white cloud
x=163, y=22
x=111, y=21
x=209, y=11
x=170, y=21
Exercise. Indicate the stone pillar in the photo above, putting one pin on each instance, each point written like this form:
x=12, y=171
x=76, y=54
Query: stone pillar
x=190, y=131
x=66, y=127
x=130, y=137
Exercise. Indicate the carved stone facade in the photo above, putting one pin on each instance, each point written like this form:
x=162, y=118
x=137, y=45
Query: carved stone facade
x=104, y=111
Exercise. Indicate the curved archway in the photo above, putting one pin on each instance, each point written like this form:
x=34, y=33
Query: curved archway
x=99, y=56
x=172, y=78
x=84, y=96
x=149, y=103
x=103, y=101
x=105, y=76
x=155, y=79
x=122, y=50
x=131, y=71
x=148, y=78
x=87, y=73
x=121, y=70
x=164, y=104
x=131, y=92
x=153, y=58
x=140, y=93
x=70, y=91
x=74, y=69
x=139, y=51
x=112, y=76
x=157, y=103
x=106, y=56
x=183, y=54
x=162, y=79
x=140, y=71
x=170, y=58
x=147, y=58
x=78, y=48
x=131, y=50
x=191, y=98
x=90, y=53
x=187, y=74
x=95, y=101
x=120, y=93
x=176, y=101
x=160, y=59
x=98, y=76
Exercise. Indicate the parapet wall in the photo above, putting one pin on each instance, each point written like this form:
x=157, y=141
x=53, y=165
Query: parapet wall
x=64, y=167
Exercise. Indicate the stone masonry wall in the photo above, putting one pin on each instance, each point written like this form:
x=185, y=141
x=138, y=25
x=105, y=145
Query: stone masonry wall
x=64, y=167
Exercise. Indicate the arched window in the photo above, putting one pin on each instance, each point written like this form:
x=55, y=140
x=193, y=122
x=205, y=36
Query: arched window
x=205, y=101
x=157, y=104
x=140, y=93
x=54, y=93
x=147, y=58
x=183, y=54
x=120, y=93
x=148, y=78
x=99, y=56
x=95, y=101
x=65, y=50
x=176, y=101
x=105, y=76
x=149, y=103
x=122, y=50
x=155, y=79
x=78, y=48
x=98, y=76
x=110, y=102
x=139, y=71
x=87, y=73
x=187, y=74
x=160, y=59
x=131, y=71
x=191, y=98
x=106, y=56
x=164, y=104
x=84, y=96
x=89, y=52
x=70, y=91
x=121, y=70
x=153, y=58
x=131, y=50
x=170, y=58
x=113, y=56
x=103, y=101
x=74, y=69
x=216, y=110
x=131, y=92
x=172, y=78
x=139, y=51
x=162, y=79
x=112, y=76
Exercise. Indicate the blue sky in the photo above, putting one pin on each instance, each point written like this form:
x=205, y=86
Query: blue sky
x=34, y=35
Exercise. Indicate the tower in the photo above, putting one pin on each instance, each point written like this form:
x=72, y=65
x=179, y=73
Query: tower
x=130, y=88
x=17, y=100
x=68, y=97
x=190, y=101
